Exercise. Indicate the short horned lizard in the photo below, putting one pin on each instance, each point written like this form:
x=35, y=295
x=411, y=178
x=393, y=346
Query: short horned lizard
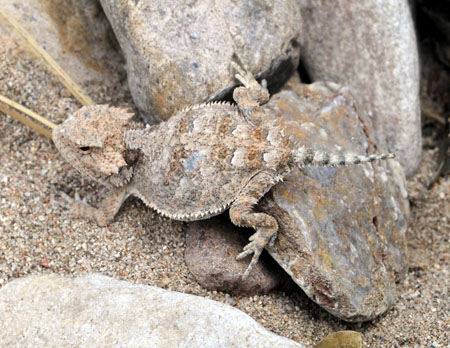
x=203, y=160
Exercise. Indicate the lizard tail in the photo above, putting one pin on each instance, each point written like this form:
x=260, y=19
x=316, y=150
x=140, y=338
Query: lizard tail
x=306, y=157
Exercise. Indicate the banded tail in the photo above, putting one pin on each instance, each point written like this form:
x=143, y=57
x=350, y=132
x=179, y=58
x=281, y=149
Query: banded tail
x=306, y=157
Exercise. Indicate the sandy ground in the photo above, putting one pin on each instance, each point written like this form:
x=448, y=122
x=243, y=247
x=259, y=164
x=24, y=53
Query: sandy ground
x=37, y=236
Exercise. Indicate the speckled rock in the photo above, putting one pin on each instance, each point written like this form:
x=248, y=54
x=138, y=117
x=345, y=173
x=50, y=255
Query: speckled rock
x=179, y=53
x=211, y=250
x=97, y=311
x=341, y=230
x=370, y=46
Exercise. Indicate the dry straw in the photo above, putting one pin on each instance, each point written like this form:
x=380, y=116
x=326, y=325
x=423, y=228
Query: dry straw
x=9, y=107
x=14, y=109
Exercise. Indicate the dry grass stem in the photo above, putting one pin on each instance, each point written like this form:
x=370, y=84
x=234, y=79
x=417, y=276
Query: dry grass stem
x=434, y=116
x=36, y=49
x=11, y=109
x=27, y=111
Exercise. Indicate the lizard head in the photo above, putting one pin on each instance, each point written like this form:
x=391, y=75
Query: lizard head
x=91, y=139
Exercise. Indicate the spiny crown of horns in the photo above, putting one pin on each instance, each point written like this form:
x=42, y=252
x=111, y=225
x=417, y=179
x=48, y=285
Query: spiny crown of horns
x=92, y=125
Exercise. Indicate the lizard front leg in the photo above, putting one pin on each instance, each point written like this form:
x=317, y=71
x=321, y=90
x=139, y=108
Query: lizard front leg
x=250, y=97
x=253, y=93
x=242, y=214
x=105, y=212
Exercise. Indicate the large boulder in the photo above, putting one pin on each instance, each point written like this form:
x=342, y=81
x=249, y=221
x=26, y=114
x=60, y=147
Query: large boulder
x=178, y=53
x=371, y=47
x=341, y=230
x=97, y=311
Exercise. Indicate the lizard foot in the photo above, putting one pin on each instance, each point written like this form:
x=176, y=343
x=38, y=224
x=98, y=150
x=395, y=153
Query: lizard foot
x=81, y=208
x=246, y=78
x=258, y=241
x=253, y=93
x=68, y=202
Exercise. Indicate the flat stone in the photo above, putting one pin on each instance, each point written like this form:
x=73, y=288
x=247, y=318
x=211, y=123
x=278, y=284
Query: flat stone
x=341, y=230
x=97, y=311
x=179, y=53
x=370, y=46
x=211, y=250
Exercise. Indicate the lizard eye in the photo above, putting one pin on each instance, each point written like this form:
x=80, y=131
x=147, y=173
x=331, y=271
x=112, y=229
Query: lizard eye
x=85, y=149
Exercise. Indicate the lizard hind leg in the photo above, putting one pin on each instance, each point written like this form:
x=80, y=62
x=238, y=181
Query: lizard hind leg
x=252, y=94
x=102, y=215
x=242, y=214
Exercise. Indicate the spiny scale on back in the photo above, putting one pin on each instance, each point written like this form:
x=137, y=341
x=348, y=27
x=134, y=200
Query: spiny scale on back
x=202, y=161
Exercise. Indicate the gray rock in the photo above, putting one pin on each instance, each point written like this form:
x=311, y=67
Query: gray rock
x=178, y=53
x=370, y=46
x=97, y=311
x=211, y=250
x=341, y=230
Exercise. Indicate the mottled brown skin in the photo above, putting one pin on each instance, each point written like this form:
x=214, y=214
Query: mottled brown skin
x=202, y=161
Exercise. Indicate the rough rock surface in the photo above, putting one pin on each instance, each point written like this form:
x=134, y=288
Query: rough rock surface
x=179, y=54
x=97, y=311
x=341, y=230
x=370, y=46
x=81, y=56
x=211, y=250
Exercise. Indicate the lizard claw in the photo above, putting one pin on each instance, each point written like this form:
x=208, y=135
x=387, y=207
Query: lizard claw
x=67, y=200
x=253, y=94
x=256, y=253
x=238, y=68
x=264, y=83
x=259, y=240
x=272, y=240
x=69, y=203
x=245, y=77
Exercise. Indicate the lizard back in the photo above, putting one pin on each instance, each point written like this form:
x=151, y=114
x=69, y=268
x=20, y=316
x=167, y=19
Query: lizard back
x=194, y=165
